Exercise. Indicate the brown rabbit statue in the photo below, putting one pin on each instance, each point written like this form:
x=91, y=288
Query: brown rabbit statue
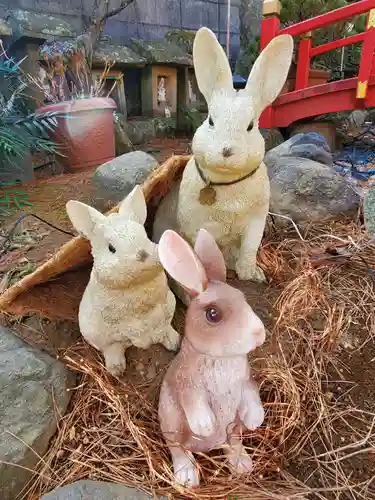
x=208, y=395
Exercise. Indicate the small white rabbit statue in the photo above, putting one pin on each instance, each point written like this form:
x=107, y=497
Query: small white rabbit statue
x=208, y=395
x=127, y=300
x=225, y=186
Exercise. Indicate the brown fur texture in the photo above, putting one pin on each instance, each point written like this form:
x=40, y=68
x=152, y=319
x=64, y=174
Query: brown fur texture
x=207, y=395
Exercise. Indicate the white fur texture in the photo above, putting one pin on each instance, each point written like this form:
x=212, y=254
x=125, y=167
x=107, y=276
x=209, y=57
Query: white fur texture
x=238, y=216
x=127, y=300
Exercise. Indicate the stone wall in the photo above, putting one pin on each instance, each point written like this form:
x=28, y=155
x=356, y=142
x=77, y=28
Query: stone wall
x=145, y=19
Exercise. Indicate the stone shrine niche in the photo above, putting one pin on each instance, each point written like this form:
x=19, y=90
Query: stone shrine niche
x=164, y=91
x=133, y=93
x=194, y=97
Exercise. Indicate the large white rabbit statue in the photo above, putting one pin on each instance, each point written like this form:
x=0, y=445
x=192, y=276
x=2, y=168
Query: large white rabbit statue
x=127, y=300
x=225, y=186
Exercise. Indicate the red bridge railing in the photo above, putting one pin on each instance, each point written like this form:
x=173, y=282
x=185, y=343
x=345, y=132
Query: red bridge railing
x=270, y=28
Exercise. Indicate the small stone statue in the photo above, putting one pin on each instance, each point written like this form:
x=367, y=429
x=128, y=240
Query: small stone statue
x=162, y=91
x=208, y=395
x=127, y=300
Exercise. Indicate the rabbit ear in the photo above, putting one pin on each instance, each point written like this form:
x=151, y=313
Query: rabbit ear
x=134, y=206
x=179, y=260
x=83, y=217
x=211, y=65
x=210, y=255
x=270, y=72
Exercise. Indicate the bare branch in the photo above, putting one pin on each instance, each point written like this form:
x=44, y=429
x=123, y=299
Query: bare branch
x=117, y=10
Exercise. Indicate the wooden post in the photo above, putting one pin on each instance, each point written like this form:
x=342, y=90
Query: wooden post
x=366, y=67
x=270, y=23
x=269, y=28
x=303, y=64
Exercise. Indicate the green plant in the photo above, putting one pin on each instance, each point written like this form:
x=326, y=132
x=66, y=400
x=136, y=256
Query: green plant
x=12, y=201
x=68, y=63
x=165, y=127
x=19, y=136
x=19, y=272
x=295, y=11
x=192, y=120
x=21, y=132
x=249, y=56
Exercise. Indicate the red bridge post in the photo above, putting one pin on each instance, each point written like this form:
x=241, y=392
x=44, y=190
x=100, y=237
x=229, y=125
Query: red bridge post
x=303, y=63
x=366, y=68
x=269, y=29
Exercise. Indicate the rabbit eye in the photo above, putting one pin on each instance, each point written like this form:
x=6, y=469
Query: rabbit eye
x=210, y=121
x=213, y=315
x=111, y=248
x=250, y=127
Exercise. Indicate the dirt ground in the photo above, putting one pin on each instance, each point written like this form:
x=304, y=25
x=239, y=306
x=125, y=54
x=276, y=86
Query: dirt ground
x=351, y=381
x=35, y=241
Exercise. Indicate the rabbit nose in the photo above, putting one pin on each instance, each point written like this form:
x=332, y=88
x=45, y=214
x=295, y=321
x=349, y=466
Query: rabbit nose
x=227, y=152
x=142, y=255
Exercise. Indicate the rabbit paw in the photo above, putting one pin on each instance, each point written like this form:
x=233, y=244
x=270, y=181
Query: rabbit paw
x=238, y=458
x=254, y=417
x=117, y=369
x=115, y=361
x=241, y=464
x=171, y=340
x=250, y=273
x=187, y=475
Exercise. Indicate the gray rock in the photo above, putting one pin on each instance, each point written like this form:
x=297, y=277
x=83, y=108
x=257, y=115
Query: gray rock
x=369, y=211
x=96, y=490
x=116, y=178
x=33, y=390
x=353, y=124
x=136, y=134
x=309, y=191
x=310, y=145
x=272, y=138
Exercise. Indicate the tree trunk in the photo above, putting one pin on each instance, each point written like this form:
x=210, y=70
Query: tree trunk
x=250, y=17
x=78, y=73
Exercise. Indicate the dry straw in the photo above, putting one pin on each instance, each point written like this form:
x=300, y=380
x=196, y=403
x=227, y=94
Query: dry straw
x=321, y=288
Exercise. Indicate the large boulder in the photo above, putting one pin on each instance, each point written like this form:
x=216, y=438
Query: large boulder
x=33, y=391
x=310, y=145
x=306, y=190
x=116, y=178
x=95, y=490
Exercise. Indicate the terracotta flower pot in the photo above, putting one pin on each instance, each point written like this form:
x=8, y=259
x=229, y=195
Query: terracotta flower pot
x=87, y=134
